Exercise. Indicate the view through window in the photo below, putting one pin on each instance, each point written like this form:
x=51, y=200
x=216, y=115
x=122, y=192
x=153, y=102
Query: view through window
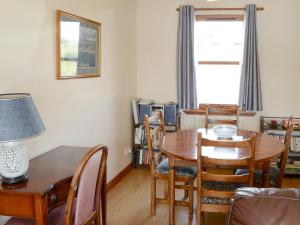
x=218, y=51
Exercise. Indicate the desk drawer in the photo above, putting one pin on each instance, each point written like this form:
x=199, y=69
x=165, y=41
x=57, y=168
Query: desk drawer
x=58, y=195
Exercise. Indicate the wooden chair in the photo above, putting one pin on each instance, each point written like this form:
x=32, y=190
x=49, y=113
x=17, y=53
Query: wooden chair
x=220, y=110
x=159, y=168
x=277, y=170
x=214, y=190
x=83, y=204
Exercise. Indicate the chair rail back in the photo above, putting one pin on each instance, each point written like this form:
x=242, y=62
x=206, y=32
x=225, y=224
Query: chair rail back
x=204, y=162
x=284, y=156
x=153, y=136
x=220, y=110
x=86, y=188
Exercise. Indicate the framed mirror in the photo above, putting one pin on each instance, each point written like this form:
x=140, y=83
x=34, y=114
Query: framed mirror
x=77, y=47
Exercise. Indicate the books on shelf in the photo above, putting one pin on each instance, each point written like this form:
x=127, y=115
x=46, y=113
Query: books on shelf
x=276, y=126
x=141, y=157
x=292, y=168
x=140, y=135
x=295, y=140
x=295, y=144
x=140, y=107
x=135, y=109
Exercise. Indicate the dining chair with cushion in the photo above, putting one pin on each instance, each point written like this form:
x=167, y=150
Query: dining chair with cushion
x=276, y=170
x=223, y=110
x=83, y=205
x=159, y=167
x=215, y=189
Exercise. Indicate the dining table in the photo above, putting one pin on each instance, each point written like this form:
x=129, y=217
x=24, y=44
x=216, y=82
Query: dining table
x=182, y=145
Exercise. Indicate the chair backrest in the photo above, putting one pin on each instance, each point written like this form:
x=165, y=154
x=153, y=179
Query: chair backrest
x=83, y=203
x=153, y=135
x=204, y=162
x=284, y=156
x=220, y=110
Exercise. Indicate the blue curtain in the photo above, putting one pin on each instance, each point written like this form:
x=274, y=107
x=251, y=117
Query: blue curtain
x=187, y=95
x=250, y=96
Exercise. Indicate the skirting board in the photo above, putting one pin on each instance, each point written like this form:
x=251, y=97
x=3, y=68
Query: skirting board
x=119, y=177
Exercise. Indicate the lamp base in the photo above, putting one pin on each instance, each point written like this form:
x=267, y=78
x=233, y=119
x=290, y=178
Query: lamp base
x=14, y=180
x=13, y=162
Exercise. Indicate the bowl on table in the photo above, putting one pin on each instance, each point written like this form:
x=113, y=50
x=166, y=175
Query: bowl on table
x=224, y=131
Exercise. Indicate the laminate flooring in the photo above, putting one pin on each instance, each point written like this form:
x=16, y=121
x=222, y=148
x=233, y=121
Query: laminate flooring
x=129, y=203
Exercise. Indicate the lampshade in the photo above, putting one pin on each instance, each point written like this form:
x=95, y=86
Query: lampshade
x=19, y=118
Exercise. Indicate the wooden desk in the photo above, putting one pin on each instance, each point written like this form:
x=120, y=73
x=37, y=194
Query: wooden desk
x=49, y=179
x=182, y=145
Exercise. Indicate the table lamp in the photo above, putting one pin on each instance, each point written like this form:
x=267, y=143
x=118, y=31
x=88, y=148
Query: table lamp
x=19, y=120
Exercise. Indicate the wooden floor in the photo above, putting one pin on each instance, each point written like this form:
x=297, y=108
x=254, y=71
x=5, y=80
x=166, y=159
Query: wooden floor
x=129, y=201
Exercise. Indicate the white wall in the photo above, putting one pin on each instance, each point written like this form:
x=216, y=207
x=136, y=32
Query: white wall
x=279, y=46
x=80, y=112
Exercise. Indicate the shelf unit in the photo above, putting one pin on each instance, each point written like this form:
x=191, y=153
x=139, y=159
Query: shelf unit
x=277, y=130
x=141, y=107
x=139, y=145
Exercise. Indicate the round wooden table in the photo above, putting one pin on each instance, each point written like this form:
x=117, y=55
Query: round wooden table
x=182, y=145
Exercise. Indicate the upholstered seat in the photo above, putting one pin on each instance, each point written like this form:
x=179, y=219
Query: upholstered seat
x=187, y=171
x=219, y=186
x=215, y=201
x=55, y=217
x=274, y=173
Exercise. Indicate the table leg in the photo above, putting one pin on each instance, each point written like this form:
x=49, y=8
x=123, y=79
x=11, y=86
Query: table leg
x=41, y=210
x=171, y=191
x=266, y=166
x=199, y=197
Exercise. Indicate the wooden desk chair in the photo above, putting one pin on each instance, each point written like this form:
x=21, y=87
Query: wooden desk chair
x=276, y=172
x=159, y=168
x=220, y=110
x=214, y=190
x=83, y=203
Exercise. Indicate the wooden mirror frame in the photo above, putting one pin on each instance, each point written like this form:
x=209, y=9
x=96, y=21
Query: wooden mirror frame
x=94, y=24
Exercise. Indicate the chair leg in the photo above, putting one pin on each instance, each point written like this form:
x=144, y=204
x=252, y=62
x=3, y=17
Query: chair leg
x=99, y=219
x=191, y=200
x=153, y=196
x=201, y=218
x=186, y=192
x=166, y=187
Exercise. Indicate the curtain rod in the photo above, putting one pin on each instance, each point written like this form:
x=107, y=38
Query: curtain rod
x=225, y=9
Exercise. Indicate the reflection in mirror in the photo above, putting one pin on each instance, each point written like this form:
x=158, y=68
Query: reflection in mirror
x=77, y=47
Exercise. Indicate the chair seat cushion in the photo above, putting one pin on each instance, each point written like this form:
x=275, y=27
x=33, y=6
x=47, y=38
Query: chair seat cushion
x=186, y=171
x=55, y=217
x=216, y=201
x=273, y=175
x=219, y=186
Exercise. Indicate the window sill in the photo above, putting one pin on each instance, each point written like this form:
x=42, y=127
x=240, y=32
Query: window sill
x=202, y=112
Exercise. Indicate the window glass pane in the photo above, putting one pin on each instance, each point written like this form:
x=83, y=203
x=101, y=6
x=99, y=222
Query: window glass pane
x=218, y=83
x=219, y=40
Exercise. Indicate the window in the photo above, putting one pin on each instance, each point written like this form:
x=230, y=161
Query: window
x=218, y=51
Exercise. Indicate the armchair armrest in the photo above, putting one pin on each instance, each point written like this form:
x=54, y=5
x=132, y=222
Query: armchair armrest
x=265, y=206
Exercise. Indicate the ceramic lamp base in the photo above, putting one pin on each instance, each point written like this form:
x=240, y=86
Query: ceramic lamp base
x=14, y=180
x=13, y=162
